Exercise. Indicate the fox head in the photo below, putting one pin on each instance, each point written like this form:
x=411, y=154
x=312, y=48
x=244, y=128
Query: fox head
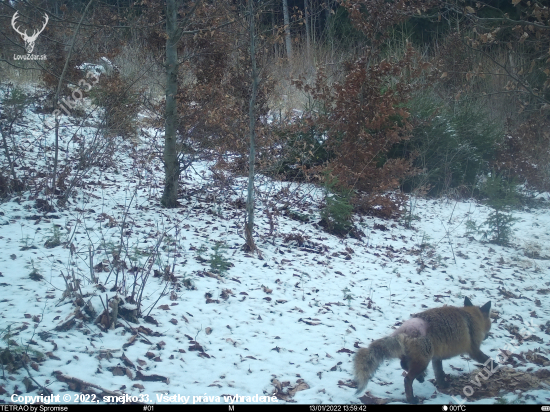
x=485, y=312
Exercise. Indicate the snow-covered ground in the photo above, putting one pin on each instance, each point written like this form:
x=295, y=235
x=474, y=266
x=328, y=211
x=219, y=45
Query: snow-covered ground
x=285, y=325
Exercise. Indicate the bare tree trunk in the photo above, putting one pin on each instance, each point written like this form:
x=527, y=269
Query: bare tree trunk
x=7, y=152
x=308, y=39
x=56, y=99
x=249, y=222
x=312, y=22
x=171, y=164
x=327, y=16
x=329, y=24
x=288, y=39
x=274, y=29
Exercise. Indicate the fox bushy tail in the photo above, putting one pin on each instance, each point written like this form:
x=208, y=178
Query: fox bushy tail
x=367, y=360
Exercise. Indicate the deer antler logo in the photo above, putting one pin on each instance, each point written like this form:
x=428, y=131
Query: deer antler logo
x=29, y=40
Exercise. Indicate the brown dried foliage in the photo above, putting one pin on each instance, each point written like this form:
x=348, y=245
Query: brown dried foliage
x=120, y=102
x=214, y=106
x=375, y=17
x=363, y=117
x=527, y=43
x=456, y=62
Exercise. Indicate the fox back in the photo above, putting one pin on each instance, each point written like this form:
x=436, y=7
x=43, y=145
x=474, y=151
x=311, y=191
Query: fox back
x=454, y=331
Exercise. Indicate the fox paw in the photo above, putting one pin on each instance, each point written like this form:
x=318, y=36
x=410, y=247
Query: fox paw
x=413, y=400
x=442, y=384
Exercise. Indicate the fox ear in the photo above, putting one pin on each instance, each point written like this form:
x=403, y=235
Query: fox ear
x=485, y=309
x=467, y=302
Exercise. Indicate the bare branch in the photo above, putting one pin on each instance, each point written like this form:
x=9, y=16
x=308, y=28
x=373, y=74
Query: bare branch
x=514, y=77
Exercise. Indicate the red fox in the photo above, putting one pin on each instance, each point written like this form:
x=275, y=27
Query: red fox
x=432, y=335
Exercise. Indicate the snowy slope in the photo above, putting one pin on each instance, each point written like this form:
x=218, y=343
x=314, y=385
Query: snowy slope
x=287, y=324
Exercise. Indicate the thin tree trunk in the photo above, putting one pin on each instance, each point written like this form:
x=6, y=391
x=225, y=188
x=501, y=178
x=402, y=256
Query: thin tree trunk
x=249, y=223
x=288, y=39
x=327, y=17
x=56, y=98
x=171, y=164
x=316, y=21
x=7, y=150
x=308, y=39
x=274, y=29
x=314, y=13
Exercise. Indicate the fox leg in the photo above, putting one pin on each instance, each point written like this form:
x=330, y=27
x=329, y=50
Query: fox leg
x=478, y=355
x=439, y=374
x=416, y=369
x=405, y=366
x=419, y=352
